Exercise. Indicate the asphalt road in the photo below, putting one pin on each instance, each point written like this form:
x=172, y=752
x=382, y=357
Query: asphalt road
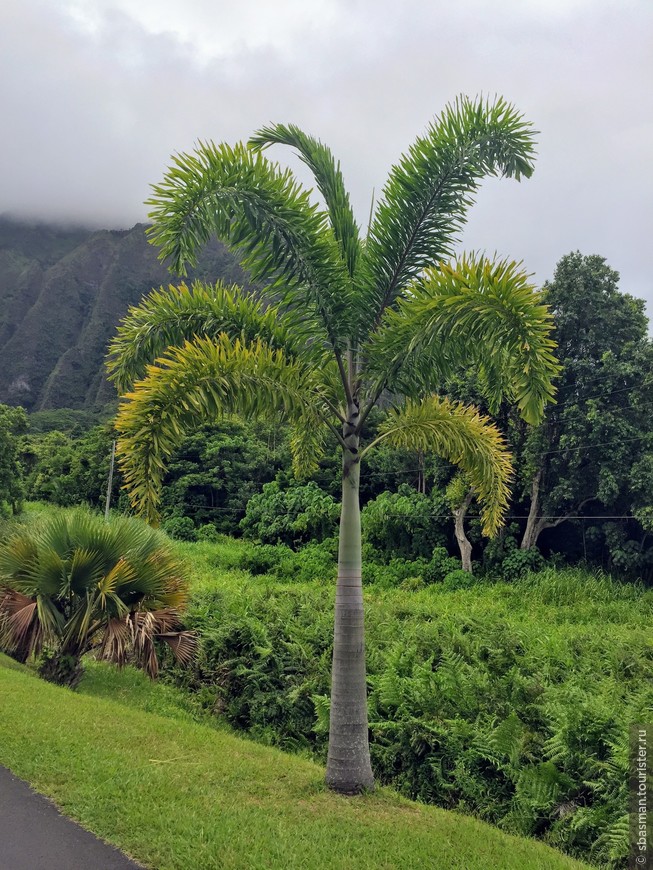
x=35, y=836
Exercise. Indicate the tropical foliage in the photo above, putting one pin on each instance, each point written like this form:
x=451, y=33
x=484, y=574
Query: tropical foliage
x=13, y=423
x=71, y=582
x=593, y=452
x=511, y=701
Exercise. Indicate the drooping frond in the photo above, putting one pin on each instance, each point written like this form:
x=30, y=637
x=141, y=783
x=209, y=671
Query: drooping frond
x=328, y=177
x=262, y=213
x=473, y=313
x=169, y=317
x=199, y=382
x=462, y=436
x=427, y=195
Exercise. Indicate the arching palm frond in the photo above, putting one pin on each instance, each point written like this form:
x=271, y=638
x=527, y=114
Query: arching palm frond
x=328, y=177
x=199, y=382
x=168, y=317
x=461, y=435
x=261, y=212
x=473, y=313
x=427, y=195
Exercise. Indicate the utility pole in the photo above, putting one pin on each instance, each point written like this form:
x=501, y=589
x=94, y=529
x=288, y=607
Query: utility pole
x=110, y=483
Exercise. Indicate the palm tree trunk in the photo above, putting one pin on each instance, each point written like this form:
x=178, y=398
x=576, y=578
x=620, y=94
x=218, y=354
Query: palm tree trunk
x=349, y=770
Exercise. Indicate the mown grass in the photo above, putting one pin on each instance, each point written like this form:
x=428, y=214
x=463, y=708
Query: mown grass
x=175, y=793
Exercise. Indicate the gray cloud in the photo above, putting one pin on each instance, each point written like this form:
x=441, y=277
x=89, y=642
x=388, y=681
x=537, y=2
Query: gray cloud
x=95, y=96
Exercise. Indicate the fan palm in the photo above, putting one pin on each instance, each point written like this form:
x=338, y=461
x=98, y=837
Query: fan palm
x=73, y=582
x=345, y=320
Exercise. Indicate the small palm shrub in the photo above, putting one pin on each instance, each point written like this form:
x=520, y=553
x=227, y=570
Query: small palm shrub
x=71, y=582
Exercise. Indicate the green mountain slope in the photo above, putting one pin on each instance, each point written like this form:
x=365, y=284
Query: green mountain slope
x=62, y=292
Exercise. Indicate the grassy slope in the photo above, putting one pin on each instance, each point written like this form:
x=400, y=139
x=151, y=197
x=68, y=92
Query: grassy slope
x=178, y=794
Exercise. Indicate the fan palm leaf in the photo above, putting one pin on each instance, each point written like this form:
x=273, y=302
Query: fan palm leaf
x=98, y=589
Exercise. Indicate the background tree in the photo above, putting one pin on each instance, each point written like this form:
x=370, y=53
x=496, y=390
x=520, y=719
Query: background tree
x=13, y=424
x=580, y=459
x=459, y=498
x=67, y=470
x=352, y=320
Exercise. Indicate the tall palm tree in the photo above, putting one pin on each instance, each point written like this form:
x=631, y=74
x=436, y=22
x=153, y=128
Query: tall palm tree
x=343, y=320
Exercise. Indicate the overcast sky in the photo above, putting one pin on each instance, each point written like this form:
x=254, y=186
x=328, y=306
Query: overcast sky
x=96, y=94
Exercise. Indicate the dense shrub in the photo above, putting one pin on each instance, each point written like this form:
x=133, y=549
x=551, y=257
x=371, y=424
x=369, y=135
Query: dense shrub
x=312, y=562
x=518, y=563
x=458, y=579
x=207, y=532
x=392, y=573
x=292, y=516
x=180, y=528
x=440, y=564
x=406, y=523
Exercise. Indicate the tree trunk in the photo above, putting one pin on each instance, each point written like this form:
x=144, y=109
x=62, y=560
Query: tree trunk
x=63, y=669
x=534, y=525
x=464, y=544
x=349, y=770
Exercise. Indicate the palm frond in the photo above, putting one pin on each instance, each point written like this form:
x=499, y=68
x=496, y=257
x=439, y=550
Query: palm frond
x=328, y=177
x=116, y=641
x=184, y=645
x=199, y=382
x=122, y=573
x=20, y=630
x=471, y=313
x=169, y=316
x=462, y=436
x=427, y=195
x=261, y=212
x=85, y=569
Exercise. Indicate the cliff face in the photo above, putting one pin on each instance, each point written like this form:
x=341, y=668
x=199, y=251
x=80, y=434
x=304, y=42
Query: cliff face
x=62, y=293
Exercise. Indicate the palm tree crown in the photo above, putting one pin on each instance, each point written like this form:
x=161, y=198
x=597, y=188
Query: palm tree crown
x=343, y=320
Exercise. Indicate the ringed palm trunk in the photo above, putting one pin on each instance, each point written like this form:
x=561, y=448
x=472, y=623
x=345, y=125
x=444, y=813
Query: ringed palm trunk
x=349, y=770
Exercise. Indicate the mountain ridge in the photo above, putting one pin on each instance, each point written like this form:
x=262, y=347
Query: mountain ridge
x=62, y=293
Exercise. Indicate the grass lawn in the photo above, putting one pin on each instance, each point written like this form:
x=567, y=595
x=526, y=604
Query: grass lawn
x=128, y=761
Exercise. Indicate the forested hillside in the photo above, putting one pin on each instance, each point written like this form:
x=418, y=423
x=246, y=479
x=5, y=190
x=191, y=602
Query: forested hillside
x=62, y=292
